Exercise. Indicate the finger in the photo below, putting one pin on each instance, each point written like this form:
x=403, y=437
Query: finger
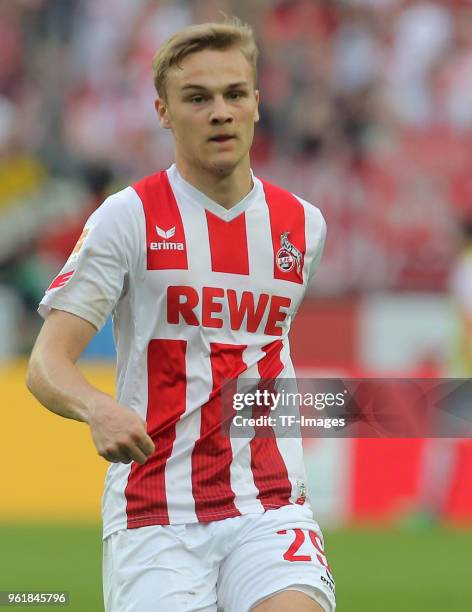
x=142, y=439
x=146, y=444
x=138, y=455
x=130, y=451
x=117, y=457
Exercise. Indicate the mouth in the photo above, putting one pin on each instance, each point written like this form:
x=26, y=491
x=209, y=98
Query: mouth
x=221, y=138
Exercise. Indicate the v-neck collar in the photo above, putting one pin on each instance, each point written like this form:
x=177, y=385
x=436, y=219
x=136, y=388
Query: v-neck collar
x=178, y=183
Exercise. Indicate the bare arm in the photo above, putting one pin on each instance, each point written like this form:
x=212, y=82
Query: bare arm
x=119, y=433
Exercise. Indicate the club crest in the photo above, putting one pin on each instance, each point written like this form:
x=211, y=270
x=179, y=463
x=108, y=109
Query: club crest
x=288, y=255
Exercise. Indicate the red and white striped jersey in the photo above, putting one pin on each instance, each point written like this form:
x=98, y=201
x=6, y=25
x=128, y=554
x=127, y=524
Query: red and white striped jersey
x=198, y=294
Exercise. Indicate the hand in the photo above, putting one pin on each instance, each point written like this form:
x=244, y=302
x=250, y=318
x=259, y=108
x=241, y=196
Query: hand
x=119, y=433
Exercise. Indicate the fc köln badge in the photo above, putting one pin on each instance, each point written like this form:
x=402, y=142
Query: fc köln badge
x=288, y=255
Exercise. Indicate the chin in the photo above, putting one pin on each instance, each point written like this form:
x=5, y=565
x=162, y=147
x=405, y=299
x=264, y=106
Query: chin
x=225, y=164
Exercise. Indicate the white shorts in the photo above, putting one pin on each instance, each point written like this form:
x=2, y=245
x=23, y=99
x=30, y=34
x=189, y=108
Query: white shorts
x=229, y=565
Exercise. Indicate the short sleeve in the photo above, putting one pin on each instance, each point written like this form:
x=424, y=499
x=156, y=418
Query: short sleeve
x=319, y=243
x=315, y=236
x=96, y=273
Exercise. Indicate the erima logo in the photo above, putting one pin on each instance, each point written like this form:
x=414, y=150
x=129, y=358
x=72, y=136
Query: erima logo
x=166, y=246
x=163, y=234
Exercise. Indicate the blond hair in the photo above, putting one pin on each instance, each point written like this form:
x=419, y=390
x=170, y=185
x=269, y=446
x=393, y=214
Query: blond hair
x=214, y=35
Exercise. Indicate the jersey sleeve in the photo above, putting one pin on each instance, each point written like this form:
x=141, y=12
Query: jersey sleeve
x=96, y=273
x=318, y=241
x=315, y=236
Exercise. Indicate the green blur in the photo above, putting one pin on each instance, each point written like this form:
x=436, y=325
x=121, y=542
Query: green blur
x=53, y=558
x=423, y=570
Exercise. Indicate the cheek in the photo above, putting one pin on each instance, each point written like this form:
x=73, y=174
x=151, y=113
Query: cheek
x=250, y=126
x=185, y=131
x=190, y=129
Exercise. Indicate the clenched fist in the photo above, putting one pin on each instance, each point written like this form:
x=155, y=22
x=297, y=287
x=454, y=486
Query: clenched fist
x=119, y=433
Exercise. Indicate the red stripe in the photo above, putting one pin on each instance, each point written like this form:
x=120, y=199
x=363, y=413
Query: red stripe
x=162, y=214
x=60, y=280
x=228, y=244
x=146, y=489
x=212, y=454
x=286, y=214
x=268, y=467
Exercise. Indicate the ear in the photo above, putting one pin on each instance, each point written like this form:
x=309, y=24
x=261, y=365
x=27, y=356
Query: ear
x=162, y=113
x=257, y=95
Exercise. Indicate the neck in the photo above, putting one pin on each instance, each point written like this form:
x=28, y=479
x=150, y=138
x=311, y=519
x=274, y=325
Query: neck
x=227, y=189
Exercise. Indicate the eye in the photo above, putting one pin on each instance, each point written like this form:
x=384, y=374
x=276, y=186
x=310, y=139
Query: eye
x=197, y=99
x=235, y=95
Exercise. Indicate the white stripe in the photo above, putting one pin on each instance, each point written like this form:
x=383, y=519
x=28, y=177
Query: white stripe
x=261, y=261
x=313, y=230
x=242, y=480
x=114, y=500
x=259, y=242
x=180, y=500
x=291, y=449
x=196, y=237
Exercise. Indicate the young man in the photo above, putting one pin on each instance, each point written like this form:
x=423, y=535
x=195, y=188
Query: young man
x=203, y=267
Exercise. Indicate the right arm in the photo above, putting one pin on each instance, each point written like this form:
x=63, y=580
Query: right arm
x=119, y=434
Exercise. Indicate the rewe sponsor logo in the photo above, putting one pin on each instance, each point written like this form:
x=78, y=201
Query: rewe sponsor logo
x=166, y=246
x=217, y=307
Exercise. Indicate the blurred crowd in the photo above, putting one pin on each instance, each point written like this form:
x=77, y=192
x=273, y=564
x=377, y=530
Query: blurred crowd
x=366, y=111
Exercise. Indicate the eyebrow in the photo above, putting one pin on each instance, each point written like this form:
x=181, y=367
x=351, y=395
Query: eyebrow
x=203, y=88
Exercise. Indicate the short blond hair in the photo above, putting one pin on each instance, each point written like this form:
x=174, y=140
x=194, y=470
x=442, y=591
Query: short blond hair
x=213, y=35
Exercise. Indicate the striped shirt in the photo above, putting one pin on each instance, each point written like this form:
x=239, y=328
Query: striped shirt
x=199, y=294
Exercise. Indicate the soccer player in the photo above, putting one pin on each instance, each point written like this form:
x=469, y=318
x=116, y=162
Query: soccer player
x=440, y=455
x=203, y=267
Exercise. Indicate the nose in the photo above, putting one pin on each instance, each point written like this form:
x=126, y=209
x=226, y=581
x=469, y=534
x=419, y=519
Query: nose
x=220, y=112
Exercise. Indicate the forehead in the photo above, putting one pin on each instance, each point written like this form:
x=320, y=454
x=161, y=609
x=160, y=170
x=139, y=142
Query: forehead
x=211, y=68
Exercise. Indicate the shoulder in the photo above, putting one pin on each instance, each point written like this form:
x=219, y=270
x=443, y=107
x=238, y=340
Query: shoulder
x=277, y=195
x=117, y=223
x=121, y=203
x=118, y=216
x=313, y=213
x=150, y=184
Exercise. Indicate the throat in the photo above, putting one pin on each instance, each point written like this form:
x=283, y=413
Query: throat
x=227, y=190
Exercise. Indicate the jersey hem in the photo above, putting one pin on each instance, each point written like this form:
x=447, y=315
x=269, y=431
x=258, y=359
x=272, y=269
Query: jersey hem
x=160, y=519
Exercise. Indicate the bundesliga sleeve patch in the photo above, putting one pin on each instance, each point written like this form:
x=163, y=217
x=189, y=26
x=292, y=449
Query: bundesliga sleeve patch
x=61, y=280
x=79, y=244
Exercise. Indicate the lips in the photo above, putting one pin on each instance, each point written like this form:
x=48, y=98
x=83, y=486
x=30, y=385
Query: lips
x=221, y=138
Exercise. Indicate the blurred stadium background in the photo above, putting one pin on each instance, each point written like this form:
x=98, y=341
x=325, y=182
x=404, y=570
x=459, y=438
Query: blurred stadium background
x=366, y=111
